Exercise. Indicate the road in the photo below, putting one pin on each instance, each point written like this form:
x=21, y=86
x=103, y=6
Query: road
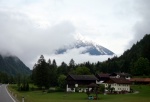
x=4, y=95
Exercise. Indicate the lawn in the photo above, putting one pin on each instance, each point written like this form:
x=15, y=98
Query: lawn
x=39, y=96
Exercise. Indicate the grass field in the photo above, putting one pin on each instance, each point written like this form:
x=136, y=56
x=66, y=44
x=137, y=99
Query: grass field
x=39, y=96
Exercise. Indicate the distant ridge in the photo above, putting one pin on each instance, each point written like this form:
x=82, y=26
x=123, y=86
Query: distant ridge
x=12, y=65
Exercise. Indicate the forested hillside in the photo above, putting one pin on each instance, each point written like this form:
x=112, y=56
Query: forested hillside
x=12, y=65
x=134, y=60
x=138, y=57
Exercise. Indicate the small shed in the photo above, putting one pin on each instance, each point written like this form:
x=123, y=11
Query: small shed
x=94, y=91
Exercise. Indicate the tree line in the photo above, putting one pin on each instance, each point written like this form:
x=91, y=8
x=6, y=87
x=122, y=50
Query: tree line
x=22, y=81
x=135, y=61
x=45, y=74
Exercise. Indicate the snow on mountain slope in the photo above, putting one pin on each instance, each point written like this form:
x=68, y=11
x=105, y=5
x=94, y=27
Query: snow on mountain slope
x=90, y=48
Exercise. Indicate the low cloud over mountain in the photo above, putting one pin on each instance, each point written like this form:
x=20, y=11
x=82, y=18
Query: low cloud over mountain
x=81, y=51
x=85, y=47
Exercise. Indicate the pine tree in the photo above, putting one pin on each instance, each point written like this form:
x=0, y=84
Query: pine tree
x=41, y=73
x=53, y=73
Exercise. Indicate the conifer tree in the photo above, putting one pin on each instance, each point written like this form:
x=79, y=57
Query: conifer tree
x=41, y=73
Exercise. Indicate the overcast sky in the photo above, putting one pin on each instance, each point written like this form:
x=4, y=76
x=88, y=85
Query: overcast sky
x=29, y=28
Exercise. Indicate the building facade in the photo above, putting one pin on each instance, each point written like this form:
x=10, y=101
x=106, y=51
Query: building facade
x=119, y=84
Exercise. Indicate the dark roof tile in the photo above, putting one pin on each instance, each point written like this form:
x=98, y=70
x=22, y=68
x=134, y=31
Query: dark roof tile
x=83, y=77
x=118, y=81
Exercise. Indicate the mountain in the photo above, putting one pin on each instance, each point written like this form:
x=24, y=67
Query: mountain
x=12, y=65
x=140, y=49
x=135, y=60
x=89, y=47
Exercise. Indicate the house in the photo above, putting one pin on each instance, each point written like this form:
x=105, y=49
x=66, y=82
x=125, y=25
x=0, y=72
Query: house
x=119, y=84
x=79, y=82
x=114, y=75
x=140, y=80
x=120, y=75
x=102, y=77
x=105, y=76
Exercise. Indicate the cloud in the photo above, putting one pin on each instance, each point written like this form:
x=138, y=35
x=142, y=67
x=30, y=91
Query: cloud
x=29, y=28
x=76, y=55
x=142, y=25
x=21, y=37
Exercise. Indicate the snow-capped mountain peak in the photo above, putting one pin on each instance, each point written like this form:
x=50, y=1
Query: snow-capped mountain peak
x=89, y=47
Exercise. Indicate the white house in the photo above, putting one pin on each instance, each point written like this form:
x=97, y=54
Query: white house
x=119, y=84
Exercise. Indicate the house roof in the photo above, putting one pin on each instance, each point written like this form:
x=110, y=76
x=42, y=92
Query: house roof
x=118, y=81
x=140, y=79
x=83, y=77
x=147, y=80
x=124, y=74
x=113, y=74
x=120, y=74
x=92, y=85
x=103, y=75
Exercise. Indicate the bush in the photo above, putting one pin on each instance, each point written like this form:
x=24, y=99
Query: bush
x=101, y=88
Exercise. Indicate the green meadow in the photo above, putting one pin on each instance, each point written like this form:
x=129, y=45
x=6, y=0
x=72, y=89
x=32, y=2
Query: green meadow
x=142, y=95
